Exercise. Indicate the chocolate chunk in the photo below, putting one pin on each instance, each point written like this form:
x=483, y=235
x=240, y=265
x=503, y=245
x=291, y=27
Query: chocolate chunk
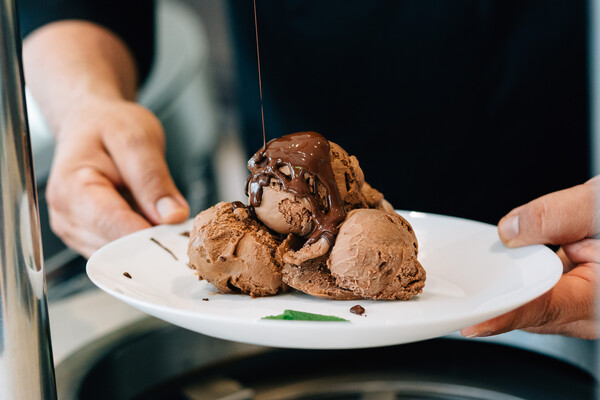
x=357, y=309
x=126, y=275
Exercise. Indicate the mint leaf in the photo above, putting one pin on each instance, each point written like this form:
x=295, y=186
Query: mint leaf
x=293, y=315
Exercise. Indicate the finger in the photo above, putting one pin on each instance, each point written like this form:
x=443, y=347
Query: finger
x=581, y=329
x=95, y=216
x=566, y=262
x=107, y=213
x=88, y=235
x=583, y=251
x=572, y=299
x=83, y=241
x=561, y=217
x=580, y=252
x=141, y=163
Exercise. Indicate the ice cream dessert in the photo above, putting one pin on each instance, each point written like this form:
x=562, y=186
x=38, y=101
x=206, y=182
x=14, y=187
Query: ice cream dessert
x=235, y=252
x=375, y=256
x=312, y=224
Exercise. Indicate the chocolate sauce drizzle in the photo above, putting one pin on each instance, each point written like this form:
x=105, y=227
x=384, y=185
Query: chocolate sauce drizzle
x=249, y=209
x=164, y=248
x=306, y=154
x=262, y=109
x=237, y=204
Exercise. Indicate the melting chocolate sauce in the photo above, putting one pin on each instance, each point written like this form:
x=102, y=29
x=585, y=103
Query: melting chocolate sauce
x=306, y=154
x=238, y=204
x=164, y=248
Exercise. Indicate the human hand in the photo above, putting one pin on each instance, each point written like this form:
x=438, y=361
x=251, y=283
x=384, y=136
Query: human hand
x=570, y=218
x=109, y=176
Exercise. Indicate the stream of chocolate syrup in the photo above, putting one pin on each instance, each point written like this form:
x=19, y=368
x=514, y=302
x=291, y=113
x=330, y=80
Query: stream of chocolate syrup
x=306, y=154
x=262, y=110
x=307, y=158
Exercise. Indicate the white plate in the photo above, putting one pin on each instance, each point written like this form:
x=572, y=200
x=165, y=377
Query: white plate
x=471, y=277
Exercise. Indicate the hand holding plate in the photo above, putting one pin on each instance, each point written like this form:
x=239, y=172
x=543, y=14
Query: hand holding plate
x=569, y=218
x=109, y=176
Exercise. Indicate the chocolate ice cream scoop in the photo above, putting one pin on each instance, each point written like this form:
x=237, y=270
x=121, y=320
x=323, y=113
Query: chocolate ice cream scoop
x=312, y=277
x=298, y=164
x=234, y=252
x=303, y=184
x=374, y=199
x=354, y=190
x=284, y=212
x=375, y=256
x=342, y=239
x=349, y=177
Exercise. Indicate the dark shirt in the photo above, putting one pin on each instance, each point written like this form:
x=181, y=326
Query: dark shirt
x=132, y=20
x=468, y=108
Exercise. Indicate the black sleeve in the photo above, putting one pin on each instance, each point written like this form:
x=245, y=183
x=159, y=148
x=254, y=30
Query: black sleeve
x=131, y=20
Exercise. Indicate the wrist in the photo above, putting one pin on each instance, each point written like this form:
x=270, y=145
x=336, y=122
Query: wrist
x=70, y=64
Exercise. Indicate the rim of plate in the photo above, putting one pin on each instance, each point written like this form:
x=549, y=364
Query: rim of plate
x=524, y=294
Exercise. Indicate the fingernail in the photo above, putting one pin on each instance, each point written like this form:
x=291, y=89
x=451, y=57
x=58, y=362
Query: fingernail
x=468, y=332
x=167, y=207
x=473, y=333
x=509, y=227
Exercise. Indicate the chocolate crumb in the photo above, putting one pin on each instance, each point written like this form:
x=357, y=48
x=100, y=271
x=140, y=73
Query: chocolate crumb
x=222, y=258
x=205, y=299
x=127, y=275
x=165, y=248
x=186, y=233
x=357, y=309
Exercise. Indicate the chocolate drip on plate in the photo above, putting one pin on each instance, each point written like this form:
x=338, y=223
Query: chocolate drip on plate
x=299, y=162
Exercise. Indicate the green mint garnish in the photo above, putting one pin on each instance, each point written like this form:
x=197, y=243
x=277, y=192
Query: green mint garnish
x=294, y=315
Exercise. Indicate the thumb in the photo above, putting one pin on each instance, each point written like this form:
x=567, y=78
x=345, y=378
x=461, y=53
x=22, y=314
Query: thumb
x=144, y=170
x=556, y=218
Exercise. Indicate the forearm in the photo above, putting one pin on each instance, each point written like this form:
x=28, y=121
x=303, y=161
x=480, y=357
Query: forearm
x=70, y=64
